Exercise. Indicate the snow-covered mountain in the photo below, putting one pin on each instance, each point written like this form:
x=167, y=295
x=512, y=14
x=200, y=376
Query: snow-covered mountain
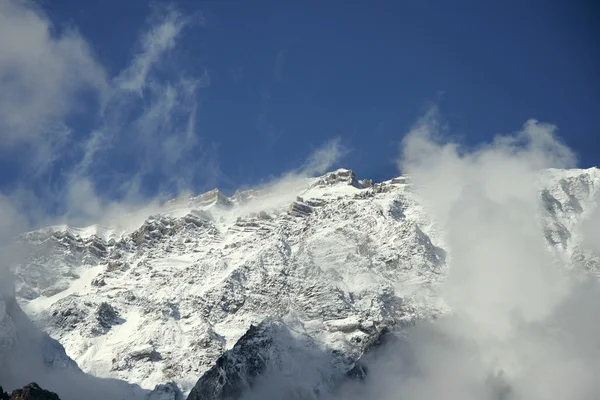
x=213, y=292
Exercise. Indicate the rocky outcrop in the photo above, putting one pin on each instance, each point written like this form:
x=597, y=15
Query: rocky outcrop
x=30, y=392
x=168, y=391
x=237, y=370
x=213, y=197
x=344, y=176
x=106, y=315
x=360, y=370
x=299, y=208
x=270, y=352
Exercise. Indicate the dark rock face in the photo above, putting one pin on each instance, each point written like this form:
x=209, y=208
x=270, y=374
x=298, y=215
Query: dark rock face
x=264, y=351
x=235, y=371
x=68, y=314
x=106, y=315
x=360, y=371
x=29, y=392
x=300, y=209
x=168, y=391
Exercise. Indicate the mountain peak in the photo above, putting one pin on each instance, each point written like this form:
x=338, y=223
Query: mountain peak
x=211, y=197
x=341, y=176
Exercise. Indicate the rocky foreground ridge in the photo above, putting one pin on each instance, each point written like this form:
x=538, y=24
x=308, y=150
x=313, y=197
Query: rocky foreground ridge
x=29, y=392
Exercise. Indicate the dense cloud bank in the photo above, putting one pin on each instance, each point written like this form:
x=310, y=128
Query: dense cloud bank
x=522, y=326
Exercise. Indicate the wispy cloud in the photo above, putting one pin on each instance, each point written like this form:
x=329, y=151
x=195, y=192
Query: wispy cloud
x=151, y=122
x=279, y=64
x=324, y=157
x=41, y=76
x=160, y=140
x=159, y=39
x=282, y=190
x=146, y=114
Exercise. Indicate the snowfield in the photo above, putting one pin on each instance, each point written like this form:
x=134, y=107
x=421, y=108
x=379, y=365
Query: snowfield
x=333, y=261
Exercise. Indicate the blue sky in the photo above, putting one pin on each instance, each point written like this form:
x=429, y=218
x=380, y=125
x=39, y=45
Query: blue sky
x=112, y=100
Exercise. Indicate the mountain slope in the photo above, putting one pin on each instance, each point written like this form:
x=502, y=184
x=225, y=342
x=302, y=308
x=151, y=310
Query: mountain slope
x=335, y=259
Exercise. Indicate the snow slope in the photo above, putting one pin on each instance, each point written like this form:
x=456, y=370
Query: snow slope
x=336, y=259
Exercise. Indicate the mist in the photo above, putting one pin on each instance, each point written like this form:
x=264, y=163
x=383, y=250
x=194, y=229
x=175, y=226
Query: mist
x=281, y=191
x=521, y=326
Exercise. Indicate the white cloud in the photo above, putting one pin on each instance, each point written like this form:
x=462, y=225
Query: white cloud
x=487, y=201
x=281, y=191
x=146, y=118
x=520, y=327
x=159, y=139
x=324, y=157
x=41, y=76
x=11, y=219
x=589, y=228
x=159, y=39
x=151, y=120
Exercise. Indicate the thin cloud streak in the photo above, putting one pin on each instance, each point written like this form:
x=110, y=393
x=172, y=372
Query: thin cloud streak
x=160, y=38
x=279, y=65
